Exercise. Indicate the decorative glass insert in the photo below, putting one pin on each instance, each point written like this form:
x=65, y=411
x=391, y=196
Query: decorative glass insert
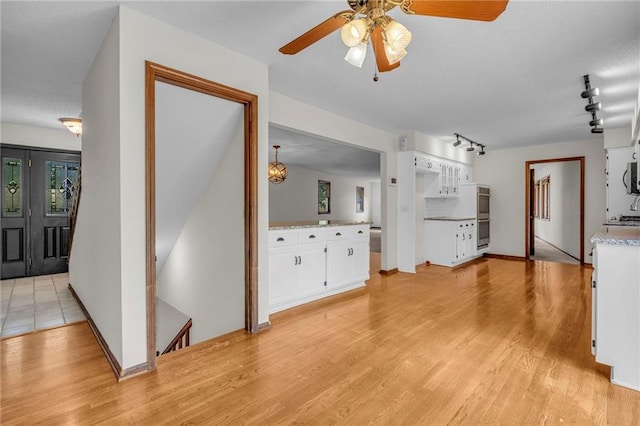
x=359, y=199
x=60, y=187
x=12, y=187
x=324, y=197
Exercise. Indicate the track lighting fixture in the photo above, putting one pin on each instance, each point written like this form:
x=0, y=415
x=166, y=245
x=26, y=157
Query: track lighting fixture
x=590, y=93
x=592, y=107
x=472, y=145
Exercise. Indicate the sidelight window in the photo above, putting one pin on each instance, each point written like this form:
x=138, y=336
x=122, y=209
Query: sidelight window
x=12, y=187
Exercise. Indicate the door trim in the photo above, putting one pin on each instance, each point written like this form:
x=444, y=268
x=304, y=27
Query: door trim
x=155, y=72
x=528, y=165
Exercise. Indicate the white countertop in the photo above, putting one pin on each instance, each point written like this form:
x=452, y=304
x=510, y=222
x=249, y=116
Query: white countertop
x=617, y=235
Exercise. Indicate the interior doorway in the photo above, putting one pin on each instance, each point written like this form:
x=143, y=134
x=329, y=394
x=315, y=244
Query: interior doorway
x=39, y=187
x=554, y=209
x=246, y=164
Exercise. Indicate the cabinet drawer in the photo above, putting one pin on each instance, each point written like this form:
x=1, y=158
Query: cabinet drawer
x=312, y=235
x=339, y=233
x=361, y=231
x=281, y=238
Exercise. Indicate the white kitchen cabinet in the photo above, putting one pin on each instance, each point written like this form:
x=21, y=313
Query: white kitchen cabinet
x=449, y=242
x=312, y=263
x=347, y=257
x=615, y=298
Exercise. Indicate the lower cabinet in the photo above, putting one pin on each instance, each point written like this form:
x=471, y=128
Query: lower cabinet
x=448, y=242
x=615, y=332
x=313, y=263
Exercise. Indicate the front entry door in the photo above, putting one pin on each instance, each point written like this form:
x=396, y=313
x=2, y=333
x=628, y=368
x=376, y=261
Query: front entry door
x=35, y=238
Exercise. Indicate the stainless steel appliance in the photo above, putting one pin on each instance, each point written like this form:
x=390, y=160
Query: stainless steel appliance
x=483, y=215
x=483, y=203
x=483, y=233
x=630, y=178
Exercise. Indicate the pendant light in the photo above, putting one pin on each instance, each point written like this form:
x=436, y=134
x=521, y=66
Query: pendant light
x=277, y=170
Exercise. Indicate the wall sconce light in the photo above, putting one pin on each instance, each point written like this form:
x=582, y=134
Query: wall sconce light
x=472, y=144
x=73, y=124
x=592, y=107
x=277, y=171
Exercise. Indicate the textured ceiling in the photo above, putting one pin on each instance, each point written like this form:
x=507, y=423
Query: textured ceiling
x=514, y=81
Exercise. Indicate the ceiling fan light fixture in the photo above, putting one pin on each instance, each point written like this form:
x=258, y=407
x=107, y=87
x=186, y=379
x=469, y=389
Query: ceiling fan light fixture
x=353, y=32
x=397, y=35
x=356, y=54
x=393, y=55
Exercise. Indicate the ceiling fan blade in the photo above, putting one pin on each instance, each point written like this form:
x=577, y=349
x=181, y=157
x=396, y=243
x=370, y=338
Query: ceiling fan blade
x=477, y=10
x=316, y=33
x=378, y=50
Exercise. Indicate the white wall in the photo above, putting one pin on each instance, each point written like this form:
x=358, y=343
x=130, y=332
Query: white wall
x=563, y=227
x=504, y=170
x=620, y=137
x=204, y=273
x=41, y=137
x=292, y=114
x=95, y=262
x=143, y=38
x=433, y=146
x=296, y=199
x=376, y=206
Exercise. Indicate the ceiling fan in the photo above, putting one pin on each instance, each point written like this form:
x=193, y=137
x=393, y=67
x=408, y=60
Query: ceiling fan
x=367, y=21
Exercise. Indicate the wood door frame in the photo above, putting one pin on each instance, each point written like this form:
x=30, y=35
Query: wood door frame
x=528, y=165
x=155, y=72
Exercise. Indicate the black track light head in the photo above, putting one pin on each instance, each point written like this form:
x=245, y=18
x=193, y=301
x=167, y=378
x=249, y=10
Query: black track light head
x=597, y=130
x=596, y=122
x=590, y=93
x=592, y=107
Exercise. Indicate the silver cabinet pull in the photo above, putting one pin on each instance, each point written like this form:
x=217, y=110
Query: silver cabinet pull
x=360, y=232
x=296, y=259
x=312, y=236
x=338, y=234
x=280, y=239
x=299, y=260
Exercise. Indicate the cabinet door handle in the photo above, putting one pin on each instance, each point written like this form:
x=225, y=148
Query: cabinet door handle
x=338, y=234
x=280, y=239
x=469, y=236
x=463, y=237
x=296, y=259
x=360, y=232
x=312, y=236
x=299, y=260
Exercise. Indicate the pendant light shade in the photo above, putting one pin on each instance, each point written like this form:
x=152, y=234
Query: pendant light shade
x=393, y=55
x=397, y=35
x=356, y=54
x=354, y=32
x=277, y=170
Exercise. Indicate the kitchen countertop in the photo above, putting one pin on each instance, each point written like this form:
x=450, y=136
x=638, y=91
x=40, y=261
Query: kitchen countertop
x=314, y=224
x=617, y=235
x=449, y=218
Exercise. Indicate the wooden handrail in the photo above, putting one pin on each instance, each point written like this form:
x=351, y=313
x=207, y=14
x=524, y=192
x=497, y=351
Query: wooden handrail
x=73, y=215
x=181, y=340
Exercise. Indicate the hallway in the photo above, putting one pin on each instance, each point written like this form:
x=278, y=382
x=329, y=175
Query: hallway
x=548, y=253
x=35, y=303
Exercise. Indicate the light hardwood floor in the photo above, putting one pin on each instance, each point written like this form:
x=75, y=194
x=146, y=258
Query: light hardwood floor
x=501, y=342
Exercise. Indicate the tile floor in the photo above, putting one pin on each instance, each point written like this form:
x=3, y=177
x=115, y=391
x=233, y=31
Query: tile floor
x=549, y=253
x=36, y=303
